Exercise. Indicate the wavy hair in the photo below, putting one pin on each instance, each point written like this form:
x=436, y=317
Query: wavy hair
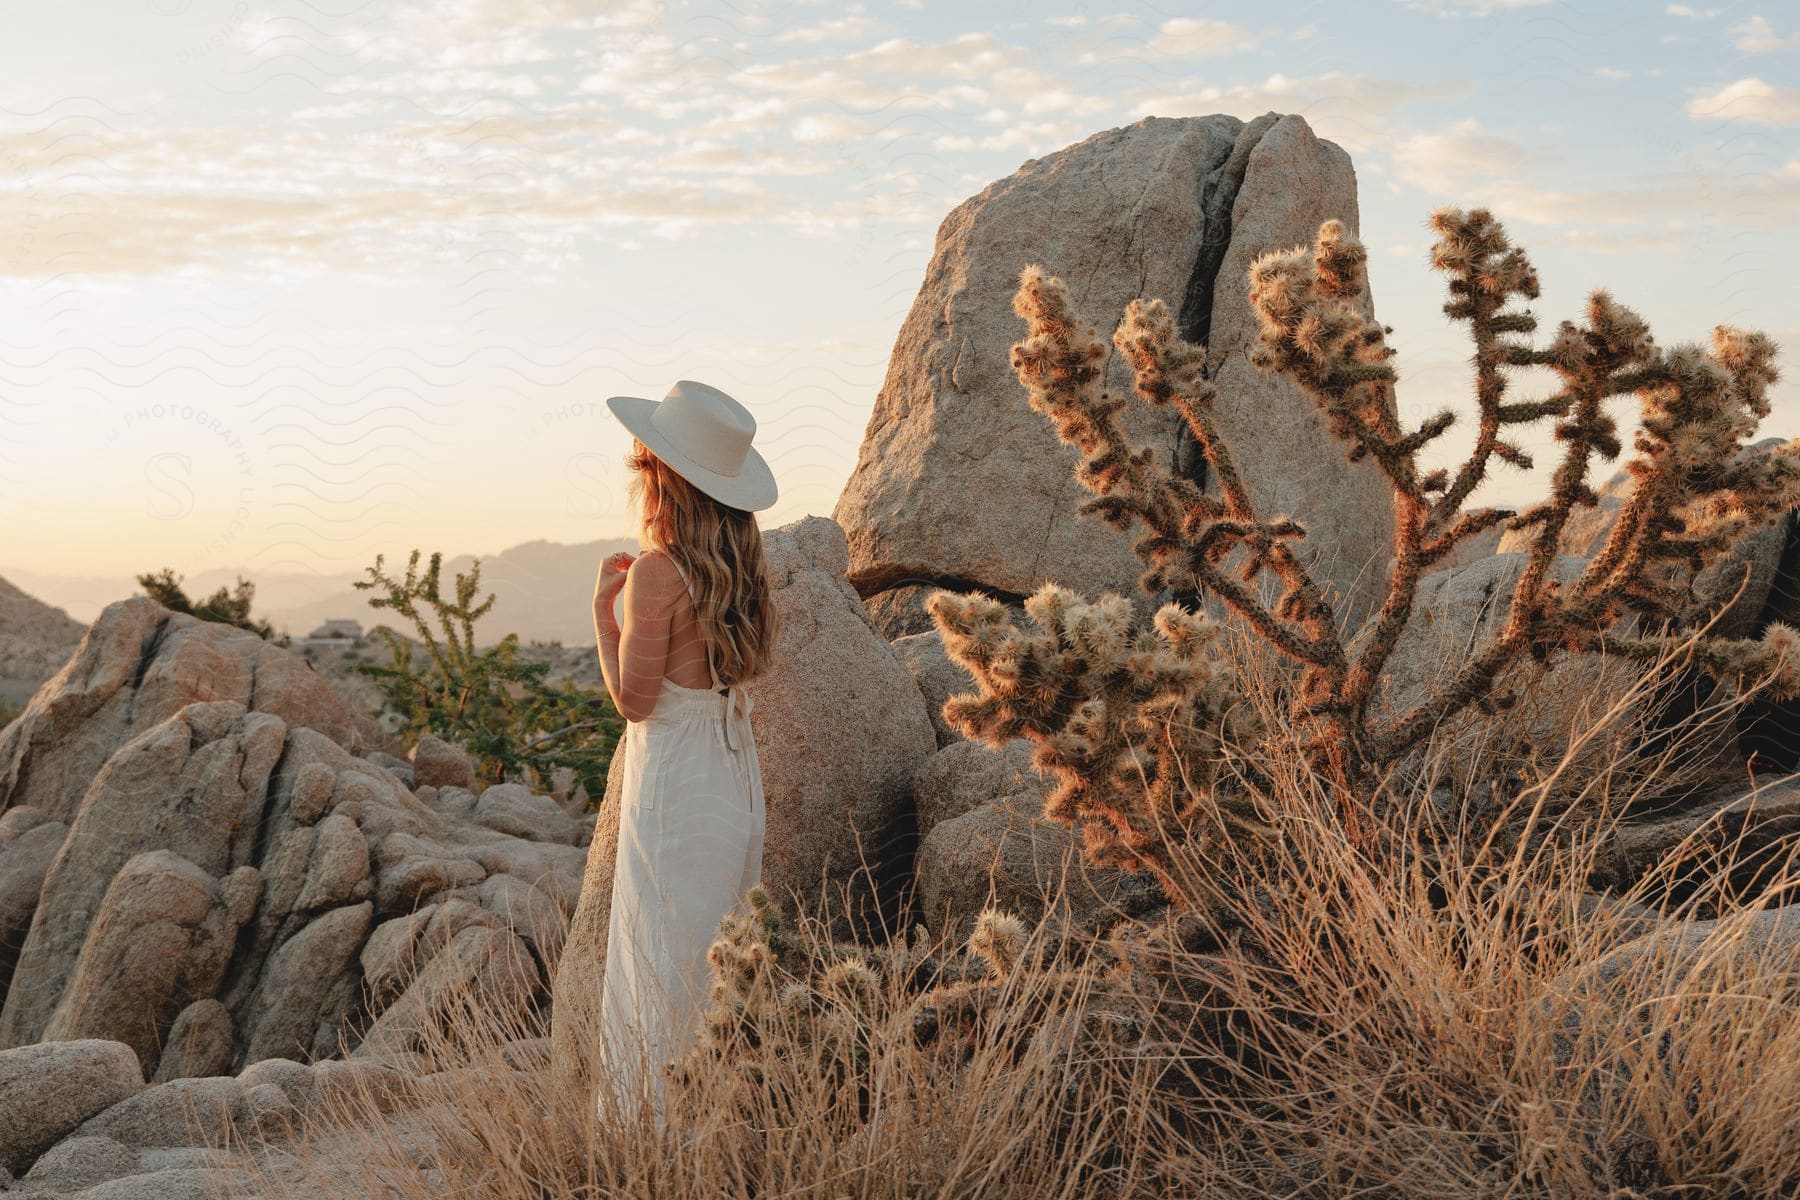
x=720, y=551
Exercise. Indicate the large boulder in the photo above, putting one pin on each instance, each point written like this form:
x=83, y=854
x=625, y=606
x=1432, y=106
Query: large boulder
x=840, y=729
x=161, y=939
x=220, y=883
x=1004, y=853
x=959, y=484
x=965, y=775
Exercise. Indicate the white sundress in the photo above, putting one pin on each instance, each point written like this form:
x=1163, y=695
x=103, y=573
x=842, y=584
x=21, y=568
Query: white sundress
x=691, y=823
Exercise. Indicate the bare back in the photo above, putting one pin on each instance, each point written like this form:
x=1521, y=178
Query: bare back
x=686, y=665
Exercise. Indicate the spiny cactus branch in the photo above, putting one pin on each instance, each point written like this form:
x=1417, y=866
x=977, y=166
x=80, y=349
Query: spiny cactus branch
x=1697, y=491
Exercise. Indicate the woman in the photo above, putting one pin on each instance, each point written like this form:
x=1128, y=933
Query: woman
x=681, y=628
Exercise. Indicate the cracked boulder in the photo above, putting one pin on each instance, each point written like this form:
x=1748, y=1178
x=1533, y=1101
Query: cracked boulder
x=959, y=484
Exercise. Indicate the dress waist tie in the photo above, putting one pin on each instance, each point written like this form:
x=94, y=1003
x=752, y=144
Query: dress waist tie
x=738, y=738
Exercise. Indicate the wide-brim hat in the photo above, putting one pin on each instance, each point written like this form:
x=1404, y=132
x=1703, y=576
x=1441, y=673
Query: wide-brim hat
x=704, y=436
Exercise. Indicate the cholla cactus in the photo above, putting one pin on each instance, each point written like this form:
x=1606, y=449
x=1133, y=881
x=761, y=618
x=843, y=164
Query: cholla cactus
x=998, y=940
x=1127, y=722
x=1697, y=490
x=774, y=996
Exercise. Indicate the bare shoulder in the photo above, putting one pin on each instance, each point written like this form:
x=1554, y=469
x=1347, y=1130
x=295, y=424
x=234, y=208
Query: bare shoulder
x=654, y=576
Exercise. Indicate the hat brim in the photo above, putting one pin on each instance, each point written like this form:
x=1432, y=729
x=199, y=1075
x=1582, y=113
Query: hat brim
x=752, y=488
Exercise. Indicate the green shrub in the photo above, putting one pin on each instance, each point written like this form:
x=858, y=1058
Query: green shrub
x=230, y=606
x=491, y=702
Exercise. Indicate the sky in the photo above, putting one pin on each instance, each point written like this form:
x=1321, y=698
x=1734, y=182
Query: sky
x=284, y=286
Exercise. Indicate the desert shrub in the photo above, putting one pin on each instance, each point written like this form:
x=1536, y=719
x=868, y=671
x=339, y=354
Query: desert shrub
x=492, y=702
x=9, y=710
x=230, y=606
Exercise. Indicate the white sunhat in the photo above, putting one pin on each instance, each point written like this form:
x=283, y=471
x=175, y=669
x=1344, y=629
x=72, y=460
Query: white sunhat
x=704, y=435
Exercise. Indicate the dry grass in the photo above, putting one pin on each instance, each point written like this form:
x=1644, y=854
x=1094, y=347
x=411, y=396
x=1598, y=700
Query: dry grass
x=1458, y=1015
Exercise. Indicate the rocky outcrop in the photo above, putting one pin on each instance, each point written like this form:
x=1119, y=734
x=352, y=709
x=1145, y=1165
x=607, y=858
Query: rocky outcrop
x=840, y=729
x=959, y=484
x=213, y=880
x=137, y=665
x=76, y=1119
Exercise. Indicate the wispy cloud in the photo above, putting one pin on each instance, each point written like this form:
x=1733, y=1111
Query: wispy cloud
x=1450, y=160
x=1479, y=8
x=1759, y=36
x=1749, y=100
x=1358, y=111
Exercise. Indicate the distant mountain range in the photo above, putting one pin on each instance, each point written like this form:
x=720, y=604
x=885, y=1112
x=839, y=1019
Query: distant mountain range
x=543, y=591
x=35, y=640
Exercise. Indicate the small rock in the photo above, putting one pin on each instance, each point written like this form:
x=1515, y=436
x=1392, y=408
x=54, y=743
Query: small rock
x=182, y=1112
x=81, y=1162
x=398, y=767
x=201, y=1042
x=179, y=1183
x=513, y=808
x=527, y=912
x=411, y=869
x=437, y=763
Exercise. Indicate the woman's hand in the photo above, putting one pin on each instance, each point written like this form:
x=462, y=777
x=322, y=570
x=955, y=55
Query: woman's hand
x=611, y=579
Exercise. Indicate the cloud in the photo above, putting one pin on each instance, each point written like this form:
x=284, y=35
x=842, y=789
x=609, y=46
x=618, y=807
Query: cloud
x=1356, y=111
x=1190, y=37
x=1450, y=160
x=1757, y=36
x=1691, y=14
x=1479, y=8
x=1756, y=200
x=827, y=127
x=835, y=29
x=1749, y=100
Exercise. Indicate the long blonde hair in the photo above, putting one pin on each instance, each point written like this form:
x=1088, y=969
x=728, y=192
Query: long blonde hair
x=720, y=551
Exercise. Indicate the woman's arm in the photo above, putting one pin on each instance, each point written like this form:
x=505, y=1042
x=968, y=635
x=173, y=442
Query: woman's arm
x=633, y=656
